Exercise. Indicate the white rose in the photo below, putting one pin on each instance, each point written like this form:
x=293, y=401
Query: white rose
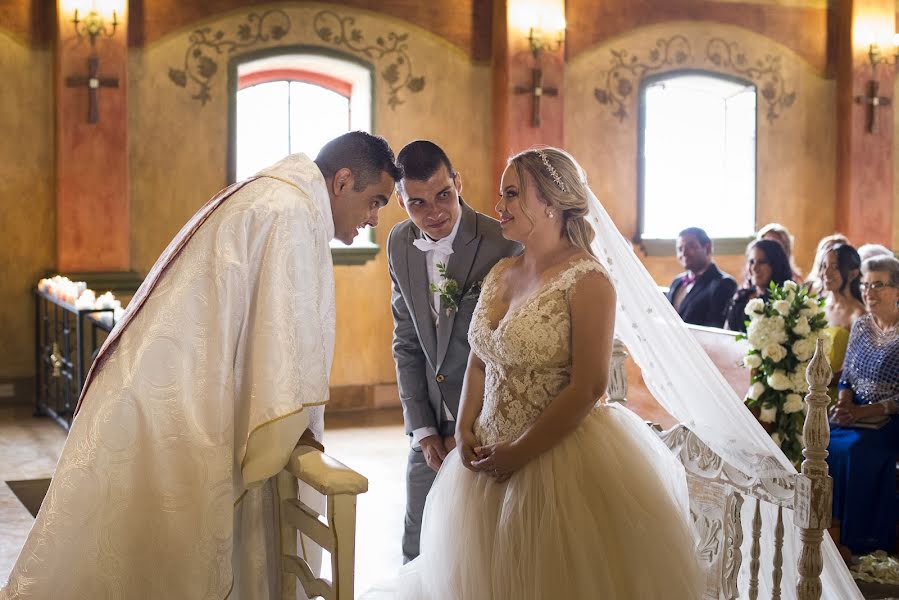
x=800, y=384
x=791, y=285
x=756, y=390
x=766, y=330
x=779, y=381
x=775, y=437
x=793, y=404
x=756, y=305
x=804, y=349
x=782, y=306
x=752, y=361
x=768, y=414
x=802, y=327
x=775, y=352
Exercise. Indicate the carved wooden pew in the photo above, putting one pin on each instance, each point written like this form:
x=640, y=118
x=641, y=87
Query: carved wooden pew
x=335, y=531
x=718, y=492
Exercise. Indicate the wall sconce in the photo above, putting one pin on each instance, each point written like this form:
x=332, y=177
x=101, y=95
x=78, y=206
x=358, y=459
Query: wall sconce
x=876, y=55
x=93, y=25
x=539, y=41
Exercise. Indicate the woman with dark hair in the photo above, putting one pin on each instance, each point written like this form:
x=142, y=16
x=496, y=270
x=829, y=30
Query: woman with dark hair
x=839, y=279
x=766, y=261
x=780, y=234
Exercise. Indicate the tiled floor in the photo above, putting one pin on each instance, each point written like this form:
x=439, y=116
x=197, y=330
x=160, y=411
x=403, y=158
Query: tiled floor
x=372, y=445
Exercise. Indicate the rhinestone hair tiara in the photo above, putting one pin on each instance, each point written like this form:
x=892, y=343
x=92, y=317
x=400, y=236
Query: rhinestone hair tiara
x=552, y=171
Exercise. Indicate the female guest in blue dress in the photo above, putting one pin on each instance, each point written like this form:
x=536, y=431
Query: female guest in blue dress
x=863, y=460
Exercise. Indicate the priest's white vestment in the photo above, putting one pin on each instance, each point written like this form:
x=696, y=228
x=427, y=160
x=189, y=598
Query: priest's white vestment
x=197, y=398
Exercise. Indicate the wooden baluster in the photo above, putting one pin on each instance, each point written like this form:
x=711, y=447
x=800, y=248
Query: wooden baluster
x=287, y=488
x=777, y=575
x=755, y=552
x=617, y=375
x=342, y=518
x=814, y=487
x=733, y=542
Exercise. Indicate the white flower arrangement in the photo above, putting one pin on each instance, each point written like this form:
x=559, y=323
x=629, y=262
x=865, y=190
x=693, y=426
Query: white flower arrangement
x=782, y=333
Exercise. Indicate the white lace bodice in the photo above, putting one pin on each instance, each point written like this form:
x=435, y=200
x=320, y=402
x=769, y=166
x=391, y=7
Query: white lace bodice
x=527, y=352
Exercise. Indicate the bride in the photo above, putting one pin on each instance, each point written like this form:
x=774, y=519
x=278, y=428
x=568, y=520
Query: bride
x=549, y=495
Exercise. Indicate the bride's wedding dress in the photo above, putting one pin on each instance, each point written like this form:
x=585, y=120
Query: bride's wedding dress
x=603, y=514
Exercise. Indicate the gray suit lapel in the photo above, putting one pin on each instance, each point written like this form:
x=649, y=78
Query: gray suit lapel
x=465, y=248
x=421, y=297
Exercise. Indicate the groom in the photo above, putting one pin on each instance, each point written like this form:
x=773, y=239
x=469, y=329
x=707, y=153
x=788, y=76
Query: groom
x=430, y=336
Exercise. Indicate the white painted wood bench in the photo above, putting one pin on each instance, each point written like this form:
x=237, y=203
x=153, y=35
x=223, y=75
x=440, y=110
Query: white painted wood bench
x=335, y=531
x=718, y=492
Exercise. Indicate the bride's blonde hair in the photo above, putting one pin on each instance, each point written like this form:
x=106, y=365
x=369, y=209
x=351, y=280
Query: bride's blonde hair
x=561, y=184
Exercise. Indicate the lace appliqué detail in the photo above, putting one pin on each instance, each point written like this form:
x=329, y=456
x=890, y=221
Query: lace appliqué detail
x=527, y=352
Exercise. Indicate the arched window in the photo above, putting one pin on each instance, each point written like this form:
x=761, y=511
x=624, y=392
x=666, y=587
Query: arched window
x=296, y=102
x=697, y=158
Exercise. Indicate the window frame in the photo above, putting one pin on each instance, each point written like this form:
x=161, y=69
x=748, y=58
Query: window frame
x=347, y=255
x=666, y=246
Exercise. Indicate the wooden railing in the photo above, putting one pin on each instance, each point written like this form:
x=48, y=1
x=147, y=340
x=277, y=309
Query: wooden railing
x=718, y=492
x=335, y=531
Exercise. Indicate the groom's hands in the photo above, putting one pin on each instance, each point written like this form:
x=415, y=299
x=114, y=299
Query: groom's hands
x=434, y=451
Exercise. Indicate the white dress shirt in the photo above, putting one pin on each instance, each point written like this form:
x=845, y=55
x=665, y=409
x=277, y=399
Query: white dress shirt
x=432, y=257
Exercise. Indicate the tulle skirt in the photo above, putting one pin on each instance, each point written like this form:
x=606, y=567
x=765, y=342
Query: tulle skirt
x=604, y=514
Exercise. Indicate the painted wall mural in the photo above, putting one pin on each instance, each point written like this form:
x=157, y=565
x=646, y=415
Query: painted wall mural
x=206, y=48
x=391, y=50
x=618, y=85
x=765, y=72
x=619, y=82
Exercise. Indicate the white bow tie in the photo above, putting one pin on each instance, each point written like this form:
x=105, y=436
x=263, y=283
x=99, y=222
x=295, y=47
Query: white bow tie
x=444, y=246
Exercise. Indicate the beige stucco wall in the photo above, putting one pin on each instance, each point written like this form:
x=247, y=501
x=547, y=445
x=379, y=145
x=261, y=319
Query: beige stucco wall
x=178, y=153
x=27, y=203
x=796, y=150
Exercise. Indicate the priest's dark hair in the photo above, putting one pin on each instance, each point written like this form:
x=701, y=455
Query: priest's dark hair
x=699, y=233
x=366, y=155
x=421, y=159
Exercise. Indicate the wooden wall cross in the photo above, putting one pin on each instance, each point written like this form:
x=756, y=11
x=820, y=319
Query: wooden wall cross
x=93, y=83
x=537, y=91
x=873, y=100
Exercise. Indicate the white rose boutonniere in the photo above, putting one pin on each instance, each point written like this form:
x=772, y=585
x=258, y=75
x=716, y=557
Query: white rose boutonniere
x=451, y=295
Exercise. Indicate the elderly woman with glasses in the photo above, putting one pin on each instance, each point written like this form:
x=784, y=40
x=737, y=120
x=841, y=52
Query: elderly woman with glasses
x=864, y=438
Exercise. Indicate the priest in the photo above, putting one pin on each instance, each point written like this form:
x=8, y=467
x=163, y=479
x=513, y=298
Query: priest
x=201, y=392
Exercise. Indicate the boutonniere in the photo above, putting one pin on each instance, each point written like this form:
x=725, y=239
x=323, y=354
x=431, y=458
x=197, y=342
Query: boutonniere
x=450, y=293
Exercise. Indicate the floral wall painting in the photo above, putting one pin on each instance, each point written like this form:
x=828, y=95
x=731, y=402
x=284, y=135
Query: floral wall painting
x=206, y=47
x=618, y=84
x=390, y=50
x=765, y=72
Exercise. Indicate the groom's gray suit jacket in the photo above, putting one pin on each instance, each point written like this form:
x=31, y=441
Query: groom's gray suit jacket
x=431, y=361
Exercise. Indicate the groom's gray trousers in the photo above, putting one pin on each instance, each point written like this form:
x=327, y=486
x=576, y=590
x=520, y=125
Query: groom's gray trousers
x=419, y=478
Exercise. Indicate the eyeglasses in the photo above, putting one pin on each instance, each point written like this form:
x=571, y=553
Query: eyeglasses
x=874, y=285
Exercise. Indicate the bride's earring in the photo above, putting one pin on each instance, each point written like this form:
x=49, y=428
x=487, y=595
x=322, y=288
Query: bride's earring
x=550, y=214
